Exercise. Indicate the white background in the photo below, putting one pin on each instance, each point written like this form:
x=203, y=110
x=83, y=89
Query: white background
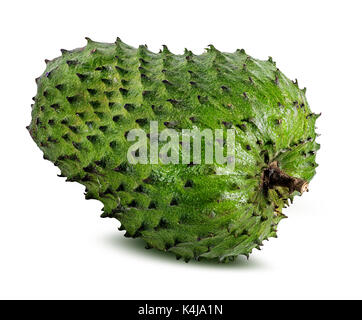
x=53, y=243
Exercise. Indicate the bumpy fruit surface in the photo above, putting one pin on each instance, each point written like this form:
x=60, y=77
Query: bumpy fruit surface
x=88, y=99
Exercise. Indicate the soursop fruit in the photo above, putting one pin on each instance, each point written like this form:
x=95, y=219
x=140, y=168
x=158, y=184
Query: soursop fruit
x=90, y=98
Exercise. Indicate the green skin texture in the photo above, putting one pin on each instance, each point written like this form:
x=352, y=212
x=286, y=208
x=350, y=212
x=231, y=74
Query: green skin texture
x=89, y=98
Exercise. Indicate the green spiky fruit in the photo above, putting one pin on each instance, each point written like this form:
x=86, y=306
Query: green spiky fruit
x=89, y=98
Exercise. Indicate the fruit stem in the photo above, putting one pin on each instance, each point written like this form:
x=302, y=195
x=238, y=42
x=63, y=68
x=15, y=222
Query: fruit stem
x=275, y=177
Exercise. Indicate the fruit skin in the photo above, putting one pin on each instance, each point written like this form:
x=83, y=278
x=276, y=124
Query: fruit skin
x=89, y=98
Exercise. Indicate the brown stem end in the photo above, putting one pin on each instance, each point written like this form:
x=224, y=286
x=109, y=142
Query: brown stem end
x=275, y=177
